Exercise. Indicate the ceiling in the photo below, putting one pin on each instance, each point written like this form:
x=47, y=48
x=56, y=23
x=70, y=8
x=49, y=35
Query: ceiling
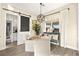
x=34, y=8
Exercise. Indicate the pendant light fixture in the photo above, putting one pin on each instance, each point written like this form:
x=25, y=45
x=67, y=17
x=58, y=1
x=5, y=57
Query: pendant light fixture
x=41, y=17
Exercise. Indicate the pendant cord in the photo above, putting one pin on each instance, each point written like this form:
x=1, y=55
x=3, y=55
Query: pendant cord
x=40, y=8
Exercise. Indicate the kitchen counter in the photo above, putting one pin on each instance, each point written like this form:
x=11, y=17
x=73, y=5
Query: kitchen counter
x=39, y=38
x=40, y=45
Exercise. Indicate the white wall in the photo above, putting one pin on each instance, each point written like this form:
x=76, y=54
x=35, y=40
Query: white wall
x=78, y=26
x=71, y=28
x=68, y=25
x=2, y=30
x=21, y=35
x=0, y=8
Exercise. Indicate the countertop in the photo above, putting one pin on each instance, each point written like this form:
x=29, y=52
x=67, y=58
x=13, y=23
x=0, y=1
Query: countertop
x=36, y=37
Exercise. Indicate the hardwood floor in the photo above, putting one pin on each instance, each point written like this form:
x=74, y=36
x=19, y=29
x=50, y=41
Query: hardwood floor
x=16, y=51
x=20, y=51
x=60, y=51
x=11, y=44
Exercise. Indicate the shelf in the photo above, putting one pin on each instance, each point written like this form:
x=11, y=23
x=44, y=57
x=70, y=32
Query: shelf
x=54, y=43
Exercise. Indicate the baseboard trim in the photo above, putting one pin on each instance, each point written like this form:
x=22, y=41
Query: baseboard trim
x=71, y=48
x=2, y=48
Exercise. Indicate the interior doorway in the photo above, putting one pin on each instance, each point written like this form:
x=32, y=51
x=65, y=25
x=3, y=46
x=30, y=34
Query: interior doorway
x=11, y=30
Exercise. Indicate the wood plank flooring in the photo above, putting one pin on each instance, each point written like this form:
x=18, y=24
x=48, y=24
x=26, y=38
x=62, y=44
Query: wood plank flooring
x=20, y=51
x=16, y=51
x=60, y=51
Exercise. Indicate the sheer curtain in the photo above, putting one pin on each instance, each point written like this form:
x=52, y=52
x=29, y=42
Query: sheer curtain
x=69, y=28
x=63, y=21
x=78, y=27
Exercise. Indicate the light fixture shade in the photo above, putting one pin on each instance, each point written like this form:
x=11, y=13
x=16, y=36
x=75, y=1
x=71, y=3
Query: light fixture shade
x=40, y=18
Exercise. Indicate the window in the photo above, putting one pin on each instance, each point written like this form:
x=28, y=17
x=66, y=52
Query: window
x=24, y=23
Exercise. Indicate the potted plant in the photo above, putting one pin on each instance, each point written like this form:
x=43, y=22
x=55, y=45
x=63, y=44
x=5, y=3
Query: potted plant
x=36, y=28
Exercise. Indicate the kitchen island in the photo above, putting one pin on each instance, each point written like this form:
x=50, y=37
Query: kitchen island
x=40, y=45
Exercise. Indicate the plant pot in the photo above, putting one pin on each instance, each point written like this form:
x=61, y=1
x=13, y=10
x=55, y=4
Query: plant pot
x=37, y=33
